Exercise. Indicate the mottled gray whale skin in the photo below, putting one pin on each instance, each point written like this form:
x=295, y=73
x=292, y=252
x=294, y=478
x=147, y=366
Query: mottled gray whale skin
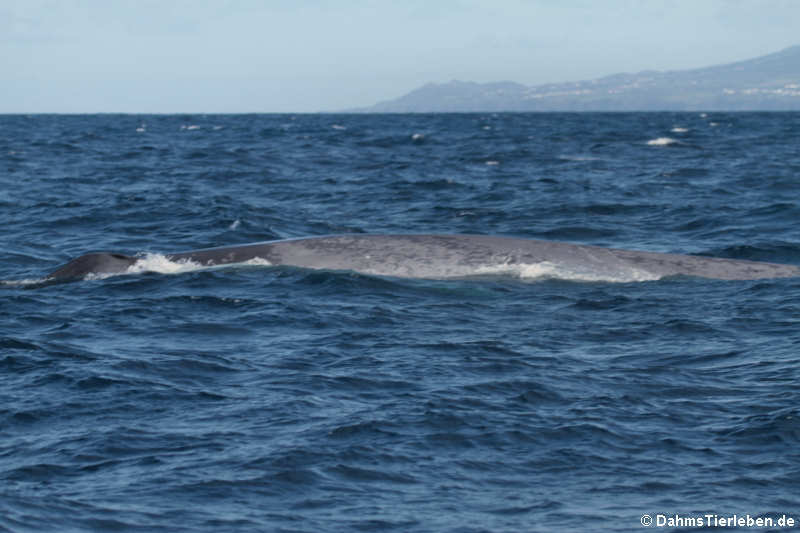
x=94, y=263
x=447, y=256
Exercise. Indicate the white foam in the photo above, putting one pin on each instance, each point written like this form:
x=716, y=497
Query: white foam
x=256, y=261
x=338, y=127
x=678, y=129
x=161, y=264
x=522, y=271
x=526, y=272
x=22, y=282
x=492, y=162
x=100, y=275
x=661, y=141
x=547, y=270
x=235, y=224
x=417, y=137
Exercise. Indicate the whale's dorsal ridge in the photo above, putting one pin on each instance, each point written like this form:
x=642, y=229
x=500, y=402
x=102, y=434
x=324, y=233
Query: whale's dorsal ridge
x=94, y=263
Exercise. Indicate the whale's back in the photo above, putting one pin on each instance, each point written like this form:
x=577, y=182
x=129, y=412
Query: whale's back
x=443, y=256
x=450, y=256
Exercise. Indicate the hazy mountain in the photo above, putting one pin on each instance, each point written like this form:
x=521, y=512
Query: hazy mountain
x=770, y=82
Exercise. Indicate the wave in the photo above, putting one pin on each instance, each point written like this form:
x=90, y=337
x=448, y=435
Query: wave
x=22, y=283
x=661, y=141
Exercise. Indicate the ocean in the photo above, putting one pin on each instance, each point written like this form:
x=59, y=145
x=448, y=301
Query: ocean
x=281, y=399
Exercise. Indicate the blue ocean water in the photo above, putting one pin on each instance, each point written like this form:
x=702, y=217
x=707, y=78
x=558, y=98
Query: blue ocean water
x=257, y=398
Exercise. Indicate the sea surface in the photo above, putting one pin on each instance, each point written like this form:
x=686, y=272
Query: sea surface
x=277, y=399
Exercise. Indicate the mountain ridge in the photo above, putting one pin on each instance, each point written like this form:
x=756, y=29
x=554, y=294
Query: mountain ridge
x=770, y=83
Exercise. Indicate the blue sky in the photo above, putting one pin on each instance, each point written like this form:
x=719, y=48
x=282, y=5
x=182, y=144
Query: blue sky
x=170, y=56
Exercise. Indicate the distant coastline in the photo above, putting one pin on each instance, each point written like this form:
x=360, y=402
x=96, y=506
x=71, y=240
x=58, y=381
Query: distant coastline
x=766, y=83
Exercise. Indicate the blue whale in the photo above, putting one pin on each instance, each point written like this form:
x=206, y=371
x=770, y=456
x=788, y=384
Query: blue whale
x=447, y=256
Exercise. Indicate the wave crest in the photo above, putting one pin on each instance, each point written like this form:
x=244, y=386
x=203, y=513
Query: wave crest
x=661, y=141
